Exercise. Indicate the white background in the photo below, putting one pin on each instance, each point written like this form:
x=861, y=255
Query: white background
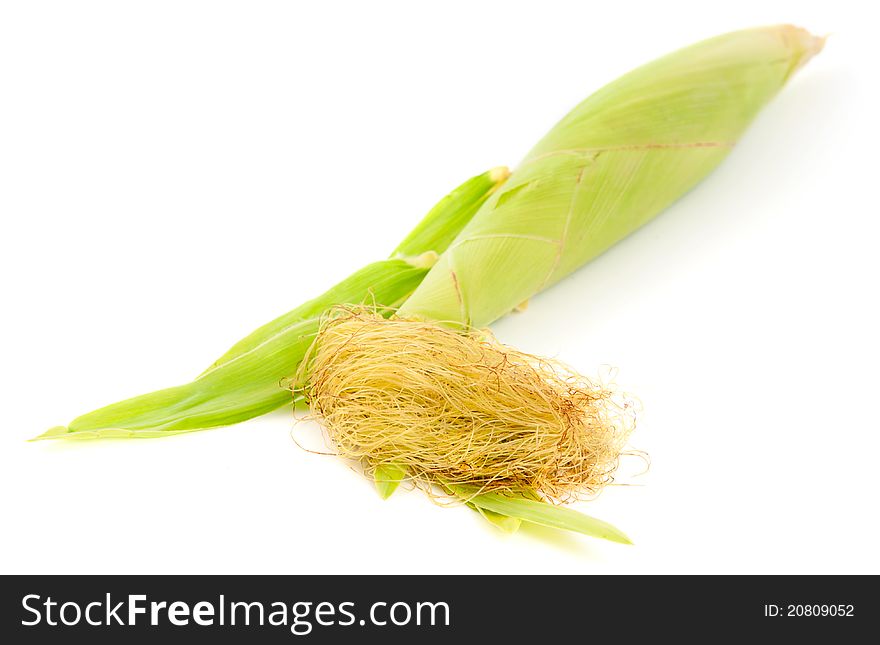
x=174, y=174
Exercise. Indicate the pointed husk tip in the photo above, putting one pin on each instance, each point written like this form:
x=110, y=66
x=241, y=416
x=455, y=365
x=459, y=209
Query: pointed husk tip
x=804, y=44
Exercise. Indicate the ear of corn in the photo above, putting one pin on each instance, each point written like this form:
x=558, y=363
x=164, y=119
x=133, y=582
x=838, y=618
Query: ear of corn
x=247, y=380
x=613, y=163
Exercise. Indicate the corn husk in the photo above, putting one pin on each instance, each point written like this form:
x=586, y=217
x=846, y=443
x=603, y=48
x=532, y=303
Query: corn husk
x=608, y=167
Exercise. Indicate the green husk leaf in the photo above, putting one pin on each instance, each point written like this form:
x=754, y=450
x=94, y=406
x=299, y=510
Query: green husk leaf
x=431, y=235
x=248, y=380
x=536, y=512
x=388, y=478
x=504, y=522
